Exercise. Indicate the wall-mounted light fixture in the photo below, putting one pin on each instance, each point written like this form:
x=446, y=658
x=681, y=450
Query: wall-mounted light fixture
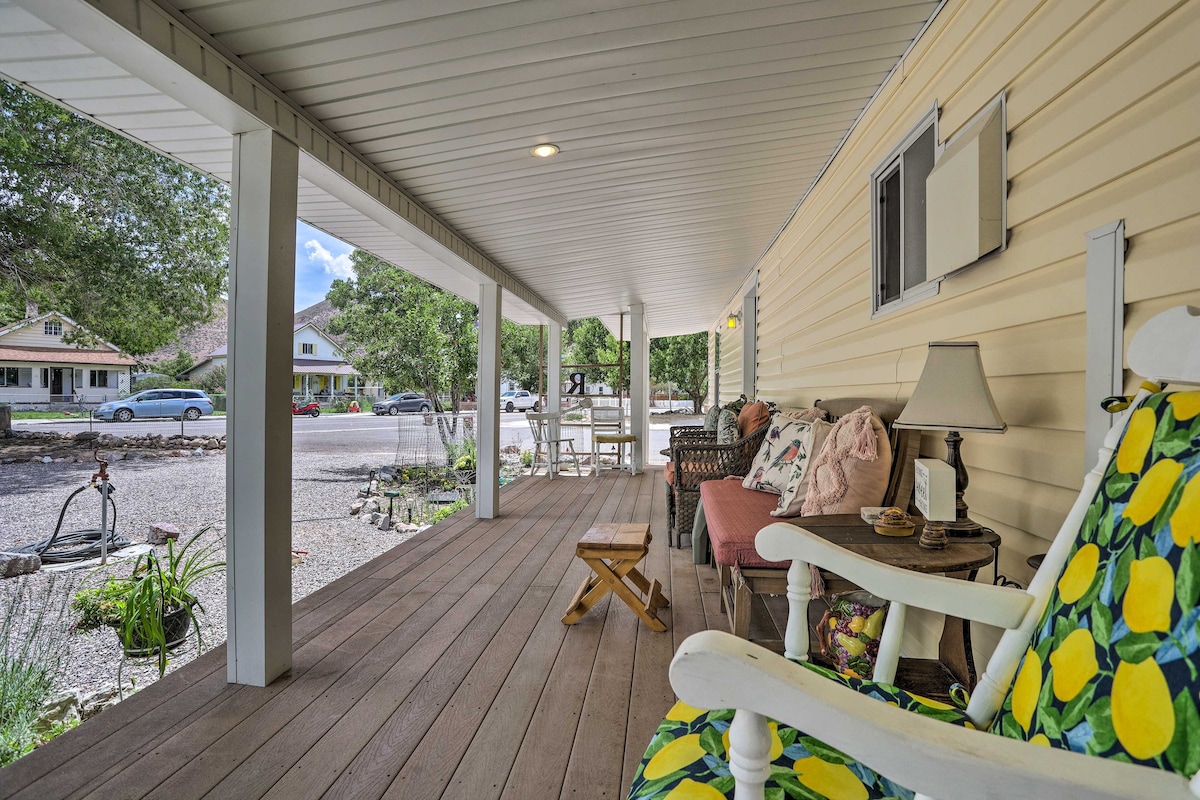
x=544, y=150
x=733, y=320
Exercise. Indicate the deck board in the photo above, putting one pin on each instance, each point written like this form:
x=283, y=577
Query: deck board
x=439, y=669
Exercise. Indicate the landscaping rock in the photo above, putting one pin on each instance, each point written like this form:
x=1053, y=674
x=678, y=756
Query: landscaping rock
x=61, y=709
x=406, y=527
x=161, y=532
x=370, y=507
x=14, y=564
x=92, y=703
x=385, y=524
x=356, y=507
x=376, y=518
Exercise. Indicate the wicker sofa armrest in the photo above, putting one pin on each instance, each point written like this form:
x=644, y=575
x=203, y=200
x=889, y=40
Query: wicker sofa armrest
x=696, y=463
x=691, y=434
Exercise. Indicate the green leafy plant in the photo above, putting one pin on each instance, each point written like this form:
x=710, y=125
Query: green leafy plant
x=160, y=587
x=463, y=455
x=448, y=509
x=31, y=649
x=101, y=605
x=526, y=458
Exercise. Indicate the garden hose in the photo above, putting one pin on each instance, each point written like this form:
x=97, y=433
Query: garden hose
x=65, y=548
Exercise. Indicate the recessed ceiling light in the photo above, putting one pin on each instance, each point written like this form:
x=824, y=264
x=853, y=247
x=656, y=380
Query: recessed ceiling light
x=544, y=150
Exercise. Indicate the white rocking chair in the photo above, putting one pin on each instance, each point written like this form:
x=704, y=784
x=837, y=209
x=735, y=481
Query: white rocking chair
x=1092, y=646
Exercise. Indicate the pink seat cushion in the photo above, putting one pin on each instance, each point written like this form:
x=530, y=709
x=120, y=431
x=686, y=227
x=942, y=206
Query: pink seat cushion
x=735, y=516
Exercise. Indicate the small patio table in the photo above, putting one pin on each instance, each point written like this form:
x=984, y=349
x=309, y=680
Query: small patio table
x=613, y=552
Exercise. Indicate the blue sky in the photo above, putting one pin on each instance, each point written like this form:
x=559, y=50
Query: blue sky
x=320, y=259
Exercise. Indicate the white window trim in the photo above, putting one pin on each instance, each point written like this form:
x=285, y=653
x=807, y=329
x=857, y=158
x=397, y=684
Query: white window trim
x=52, y=327
x=921, y=291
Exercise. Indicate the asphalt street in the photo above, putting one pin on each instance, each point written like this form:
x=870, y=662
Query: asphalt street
x=365, y=433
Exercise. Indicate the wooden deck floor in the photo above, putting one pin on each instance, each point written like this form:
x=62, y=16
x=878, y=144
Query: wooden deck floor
x=438, y=670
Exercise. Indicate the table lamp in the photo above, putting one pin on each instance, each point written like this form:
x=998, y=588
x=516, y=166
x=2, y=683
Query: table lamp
x=952, y=395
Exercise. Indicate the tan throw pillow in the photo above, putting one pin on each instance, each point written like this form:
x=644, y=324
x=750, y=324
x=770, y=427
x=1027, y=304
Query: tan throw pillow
x=785, y=442
x=794, y=494
x=752, y=417
x=853, y=467
x=804, y=414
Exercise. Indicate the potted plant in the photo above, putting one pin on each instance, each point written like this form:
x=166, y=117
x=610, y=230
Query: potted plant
x=160, y=606
x=153, y=609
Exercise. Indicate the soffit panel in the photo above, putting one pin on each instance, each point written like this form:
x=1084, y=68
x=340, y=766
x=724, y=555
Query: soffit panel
x=689, y=130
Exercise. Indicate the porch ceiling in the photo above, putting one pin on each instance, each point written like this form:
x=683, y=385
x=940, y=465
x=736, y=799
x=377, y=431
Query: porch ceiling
x=689, y=128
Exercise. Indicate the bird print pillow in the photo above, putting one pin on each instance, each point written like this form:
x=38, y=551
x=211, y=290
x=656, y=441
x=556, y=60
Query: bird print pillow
x=785, y=447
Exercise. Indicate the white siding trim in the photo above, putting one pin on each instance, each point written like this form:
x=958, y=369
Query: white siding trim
x=1105, y=329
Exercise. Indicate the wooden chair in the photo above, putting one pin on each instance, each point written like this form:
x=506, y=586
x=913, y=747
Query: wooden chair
x=608, y=428
x=1099, y=655
x=548, y=439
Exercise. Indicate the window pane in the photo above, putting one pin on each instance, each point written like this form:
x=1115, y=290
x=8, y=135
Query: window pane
x=918, y=163
x=889, y=237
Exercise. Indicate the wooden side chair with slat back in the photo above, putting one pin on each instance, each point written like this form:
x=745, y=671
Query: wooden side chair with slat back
x=608, y=428
x=1099, y=663
x=550, y=448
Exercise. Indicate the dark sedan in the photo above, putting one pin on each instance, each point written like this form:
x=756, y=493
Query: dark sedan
x=405, y=401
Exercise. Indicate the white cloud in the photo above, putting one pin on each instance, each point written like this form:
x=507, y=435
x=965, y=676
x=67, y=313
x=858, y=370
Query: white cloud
x=337, y=266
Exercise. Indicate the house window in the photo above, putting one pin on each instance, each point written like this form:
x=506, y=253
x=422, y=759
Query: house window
x=308, y=349
x=9, y=376
x=98, y=378
x=52, y=327
x=898, y=219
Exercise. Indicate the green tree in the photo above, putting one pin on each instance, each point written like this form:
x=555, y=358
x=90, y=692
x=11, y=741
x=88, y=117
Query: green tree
x=178, y=364
x=406, y=332
x=589, y=342
x=519, y=353
x=682, y=360
x=127, y=242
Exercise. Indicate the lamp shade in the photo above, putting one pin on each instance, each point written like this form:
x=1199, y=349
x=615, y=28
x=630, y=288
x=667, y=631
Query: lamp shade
x=952, y=394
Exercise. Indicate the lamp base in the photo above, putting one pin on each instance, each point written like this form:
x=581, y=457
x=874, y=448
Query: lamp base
x=933, y=536
x=962, y=528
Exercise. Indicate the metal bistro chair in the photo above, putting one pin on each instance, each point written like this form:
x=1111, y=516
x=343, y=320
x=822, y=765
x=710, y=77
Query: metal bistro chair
x=608, y=428
x=547, y=437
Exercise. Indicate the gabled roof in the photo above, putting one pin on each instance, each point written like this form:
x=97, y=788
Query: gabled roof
x=16, y=326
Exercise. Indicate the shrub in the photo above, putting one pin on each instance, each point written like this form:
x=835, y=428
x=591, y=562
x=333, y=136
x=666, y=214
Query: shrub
x=31, y=649
x=526, y=458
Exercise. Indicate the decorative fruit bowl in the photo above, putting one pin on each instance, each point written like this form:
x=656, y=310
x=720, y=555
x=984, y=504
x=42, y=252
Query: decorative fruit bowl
x=894, y=522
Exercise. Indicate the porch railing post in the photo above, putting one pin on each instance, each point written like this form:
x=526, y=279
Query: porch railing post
x=639, y=384
x=487, y=391
x=258, y=459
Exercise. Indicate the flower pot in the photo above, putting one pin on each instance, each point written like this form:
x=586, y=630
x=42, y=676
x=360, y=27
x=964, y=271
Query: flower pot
x=176, y=625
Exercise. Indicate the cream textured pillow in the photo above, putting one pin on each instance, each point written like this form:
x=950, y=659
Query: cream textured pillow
x=785, y=443
x=853, y=468
x=792, y=499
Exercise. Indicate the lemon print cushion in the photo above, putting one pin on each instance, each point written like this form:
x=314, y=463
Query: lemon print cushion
x=688, y=758
x=1112, y=670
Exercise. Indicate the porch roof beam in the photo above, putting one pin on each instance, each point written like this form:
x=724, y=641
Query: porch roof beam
x=186, y=64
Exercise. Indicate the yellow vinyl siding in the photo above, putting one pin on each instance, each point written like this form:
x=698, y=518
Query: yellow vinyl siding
x=731, y=363
x=1104, y=125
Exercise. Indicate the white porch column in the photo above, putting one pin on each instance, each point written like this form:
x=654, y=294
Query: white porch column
x=639, y=384
x=487, y=391
x=258, y=460
x=554, y=366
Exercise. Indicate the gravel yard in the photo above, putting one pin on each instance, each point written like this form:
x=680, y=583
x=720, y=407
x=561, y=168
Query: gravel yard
x=190, y=493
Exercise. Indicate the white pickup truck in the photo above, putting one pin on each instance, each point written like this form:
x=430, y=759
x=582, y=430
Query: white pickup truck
x=519, y=401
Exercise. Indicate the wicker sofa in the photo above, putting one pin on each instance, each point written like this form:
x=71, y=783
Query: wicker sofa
x=696, y=457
